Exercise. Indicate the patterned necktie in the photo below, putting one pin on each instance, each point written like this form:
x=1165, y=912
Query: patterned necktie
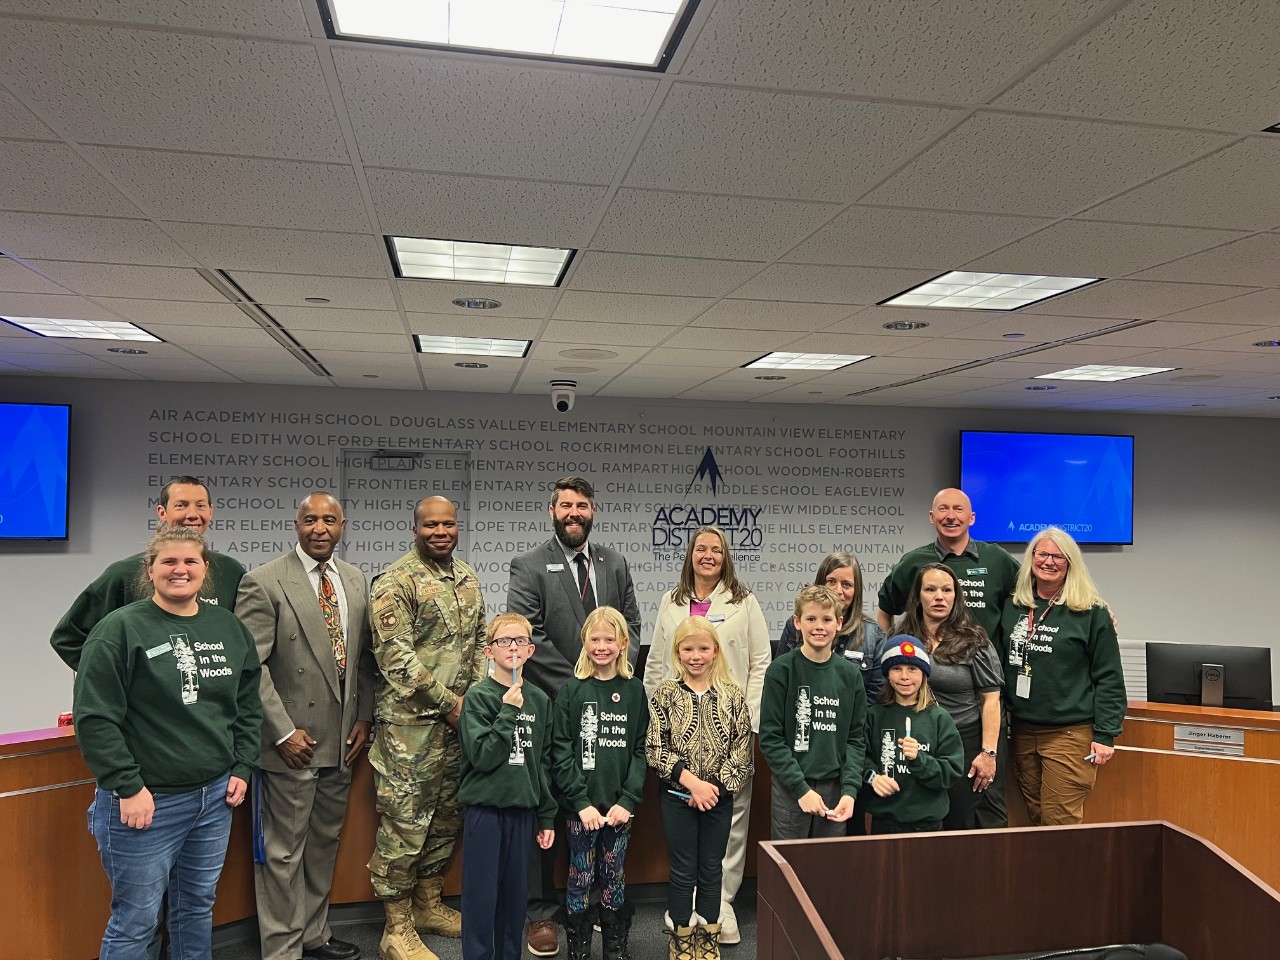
x=333, y=620
x=584, y=584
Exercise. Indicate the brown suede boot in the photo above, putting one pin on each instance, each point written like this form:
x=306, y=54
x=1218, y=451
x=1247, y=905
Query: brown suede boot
x=432, y=916
x=706, y=942
x=681, y=945
x=400, y=941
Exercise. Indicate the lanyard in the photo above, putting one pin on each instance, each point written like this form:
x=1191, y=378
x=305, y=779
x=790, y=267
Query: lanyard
x=1033, y=627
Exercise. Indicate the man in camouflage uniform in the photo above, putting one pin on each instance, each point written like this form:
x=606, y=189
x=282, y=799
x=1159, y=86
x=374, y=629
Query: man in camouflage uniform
x=427, y=613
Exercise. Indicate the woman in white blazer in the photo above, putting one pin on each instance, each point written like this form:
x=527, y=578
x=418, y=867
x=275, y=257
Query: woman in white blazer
x=709, y=587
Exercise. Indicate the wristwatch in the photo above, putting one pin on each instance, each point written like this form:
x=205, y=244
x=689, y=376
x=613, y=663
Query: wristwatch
x=989, y=753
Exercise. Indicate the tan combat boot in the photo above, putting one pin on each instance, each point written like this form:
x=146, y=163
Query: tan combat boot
x=681, y=945
x=400, y=941
x=432, y=916
x=706, y=942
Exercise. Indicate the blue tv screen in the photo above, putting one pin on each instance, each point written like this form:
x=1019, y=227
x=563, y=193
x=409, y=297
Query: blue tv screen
x=34, y=441
x=1020, y=483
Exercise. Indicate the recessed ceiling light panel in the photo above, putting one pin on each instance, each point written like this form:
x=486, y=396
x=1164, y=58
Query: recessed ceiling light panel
x=422, y=258
x=639, y=33
x=804, y=361
x=472, y=346
x=964, y=290
x=82, y=329
x=1103, y=373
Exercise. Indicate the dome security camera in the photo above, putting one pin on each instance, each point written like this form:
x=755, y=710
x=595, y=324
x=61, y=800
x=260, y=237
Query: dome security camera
x=563, y=393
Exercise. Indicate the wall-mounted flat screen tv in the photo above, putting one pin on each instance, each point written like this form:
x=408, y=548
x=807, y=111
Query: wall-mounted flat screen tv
x=34, y=440
x=1020, y=483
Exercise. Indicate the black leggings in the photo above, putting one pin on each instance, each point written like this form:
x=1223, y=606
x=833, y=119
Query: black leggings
x=696, y=842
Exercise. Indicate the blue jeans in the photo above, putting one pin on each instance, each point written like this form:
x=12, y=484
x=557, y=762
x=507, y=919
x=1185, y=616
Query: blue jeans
x=181, y=852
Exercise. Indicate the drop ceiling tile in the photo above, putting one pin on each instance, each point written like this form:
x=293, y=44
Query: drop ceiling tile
x=439, y=362
x=286, y=378
x=282, y=251
x=807, y=283
x=1265, y=362
x=552, y=351
x=1230, y=337
x=277, y=18
x=1185, y=63
x=55, y=307
x=147, y=313
x=383, y=381
x=17, y=121
x=1034, y=329
x=932, y=239
x=718, y=390
x=1231, y=188
x=765, y=143
x=627, y=308
x=952, y=349
x=16, y=278
x=1089, y=248
x=474, y=381
x=852, y=344
x=903, y=367
x=18, y=343
x=1256, y=307
x=711, y=340
x=437, y=296
x=1078, y=354
x=237, y=190
x=1047, y=167
x=338, y=320
x=487, y=210
x=628, y=273
x=192, y=372
x=438, y=112
x=642, y=389
x=680, y=224
x=202, y=336
x=1248, y=262
x=914, y=50
x=356, y=343
x=95, y=239
x=537, y=377
x=116, y=85
x=275, y=289
x=872, y=320
x=472, y=325
x=638, y=373
x=719, y=361
x=1133, y=299
x=222, y=355
x=51, y=178
x=749, y=375
x=77, y=366
x=128, y=281
x=771, y=315
x=606, y=334
x=1164, y=333
x=351, y=364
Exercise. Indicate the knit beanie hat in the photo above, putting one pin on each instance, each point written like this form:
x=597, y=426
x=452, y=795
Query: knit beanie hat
x=907, y=651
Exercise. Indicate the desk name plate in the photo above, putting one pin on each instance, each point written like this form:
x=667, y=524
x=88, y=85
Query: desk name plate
x=1223, y=741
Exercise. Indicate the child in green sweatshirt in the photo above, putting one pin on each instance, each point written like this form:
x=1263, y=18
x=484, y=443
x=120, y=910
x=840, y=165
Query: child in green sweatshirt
x=914, y=751
x=505, y=732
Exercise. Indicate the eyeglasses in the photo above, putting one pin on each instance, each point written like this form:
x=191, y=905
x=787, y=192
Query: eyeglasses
x=1044, y=556
x=503, y=642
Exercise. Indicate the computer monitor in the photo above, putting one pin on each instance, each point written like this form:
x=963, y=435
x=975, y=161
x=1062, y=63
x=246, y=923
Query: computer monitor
x=1209, y=675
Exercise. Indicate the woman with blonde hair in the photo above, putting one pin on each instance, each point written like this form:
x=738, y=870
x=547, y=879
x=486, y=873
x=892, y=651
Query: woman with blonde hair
x=1063, y=679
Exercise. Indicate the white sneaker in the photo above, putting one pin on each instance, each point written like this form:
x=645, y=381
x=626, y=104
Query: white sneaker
x=729, y=934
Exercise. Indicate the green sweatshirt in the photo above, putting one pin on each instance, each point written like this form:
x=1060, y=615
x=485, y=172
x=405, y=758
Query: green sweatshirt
x=597, y=750
x=1076, y=675
x=986, y=573
x=813, y=719
x=506, y=753
x=114, y=589
x=923, y=782
x=168, y=702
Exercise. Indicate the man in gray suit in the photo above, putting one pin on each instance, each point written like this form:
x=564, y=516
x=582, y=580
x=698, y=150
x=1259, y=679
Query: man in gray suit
x=309, y=615
x=556, y=586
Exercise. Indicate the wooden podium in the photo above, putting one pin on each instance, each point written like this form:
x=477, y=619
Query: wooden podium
x=988, y=893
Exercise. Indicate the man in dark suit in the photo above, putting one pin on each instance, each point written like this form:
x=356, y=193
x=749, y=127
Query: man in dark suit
x=309, y=615
x=555, y=586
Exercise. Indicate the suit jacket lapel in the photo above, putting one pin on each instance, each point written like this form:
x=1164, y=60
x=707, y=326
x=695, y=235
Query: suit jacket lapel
x=306, y=606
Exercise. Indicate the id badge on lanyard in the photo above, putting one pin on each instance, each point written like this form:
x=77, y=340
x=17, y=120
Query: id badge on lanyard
x=1022, y=684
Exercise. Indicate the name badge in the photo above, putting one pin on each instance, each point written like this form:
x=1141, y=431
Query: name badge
x=853, y=655
x=976, y=571
x=156, y=651
x=1022, y=686
x=718, y=618
x=554, y=567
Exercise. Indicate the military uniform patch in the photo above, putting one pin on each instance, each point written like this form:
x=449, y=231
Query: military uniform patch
x=388, y=620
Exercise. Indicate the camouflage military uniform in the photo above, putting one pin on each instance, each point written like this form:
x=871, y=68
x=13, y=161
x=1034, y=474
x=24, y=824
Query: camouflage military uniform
x=428, y=639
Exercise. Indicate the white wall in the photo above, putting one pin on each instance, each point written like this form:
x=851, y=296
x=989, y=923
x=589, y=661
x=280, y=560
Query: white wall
x=1202, y=567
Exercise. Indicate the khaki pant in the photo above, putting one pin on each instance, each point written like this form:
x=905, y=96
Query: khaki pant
x=1053, y=774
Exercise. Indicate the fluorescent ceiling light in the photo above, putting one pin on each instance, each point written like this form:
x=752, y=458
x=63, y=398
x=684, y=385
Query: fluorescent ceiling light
x=804, y=361
x=1103, y=373
x=83, y=329
x=636, y=32
x=472, y=346
x=420, y=258
x=962, y=290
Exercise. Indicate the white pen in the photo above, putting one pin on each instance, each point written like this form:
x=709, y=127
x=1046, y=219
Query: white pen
x=1091, y=756
x=908, y=726
x=515, y=669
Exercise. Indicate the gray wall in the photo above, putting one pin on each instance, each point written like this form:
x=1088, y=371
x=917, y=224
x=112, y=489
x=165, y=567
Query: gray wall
x=796, y=481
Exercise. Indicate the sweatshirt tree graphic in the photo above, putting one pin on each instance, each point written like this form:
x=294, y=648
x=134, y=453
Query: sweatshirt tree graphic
x=804, y=718
x=589, y=726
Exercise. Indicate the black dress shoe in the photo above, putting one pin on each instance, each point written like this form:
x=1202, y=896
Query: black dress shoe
x=335, y=949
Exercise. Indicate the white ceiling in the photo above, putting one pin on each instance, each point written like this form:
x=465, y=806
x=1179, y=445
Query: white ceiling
x=799, y=162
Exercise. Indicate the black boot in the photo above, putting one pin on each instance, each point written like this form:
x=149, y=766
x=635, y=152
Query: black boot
x=615, y=929
x=577, y=928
